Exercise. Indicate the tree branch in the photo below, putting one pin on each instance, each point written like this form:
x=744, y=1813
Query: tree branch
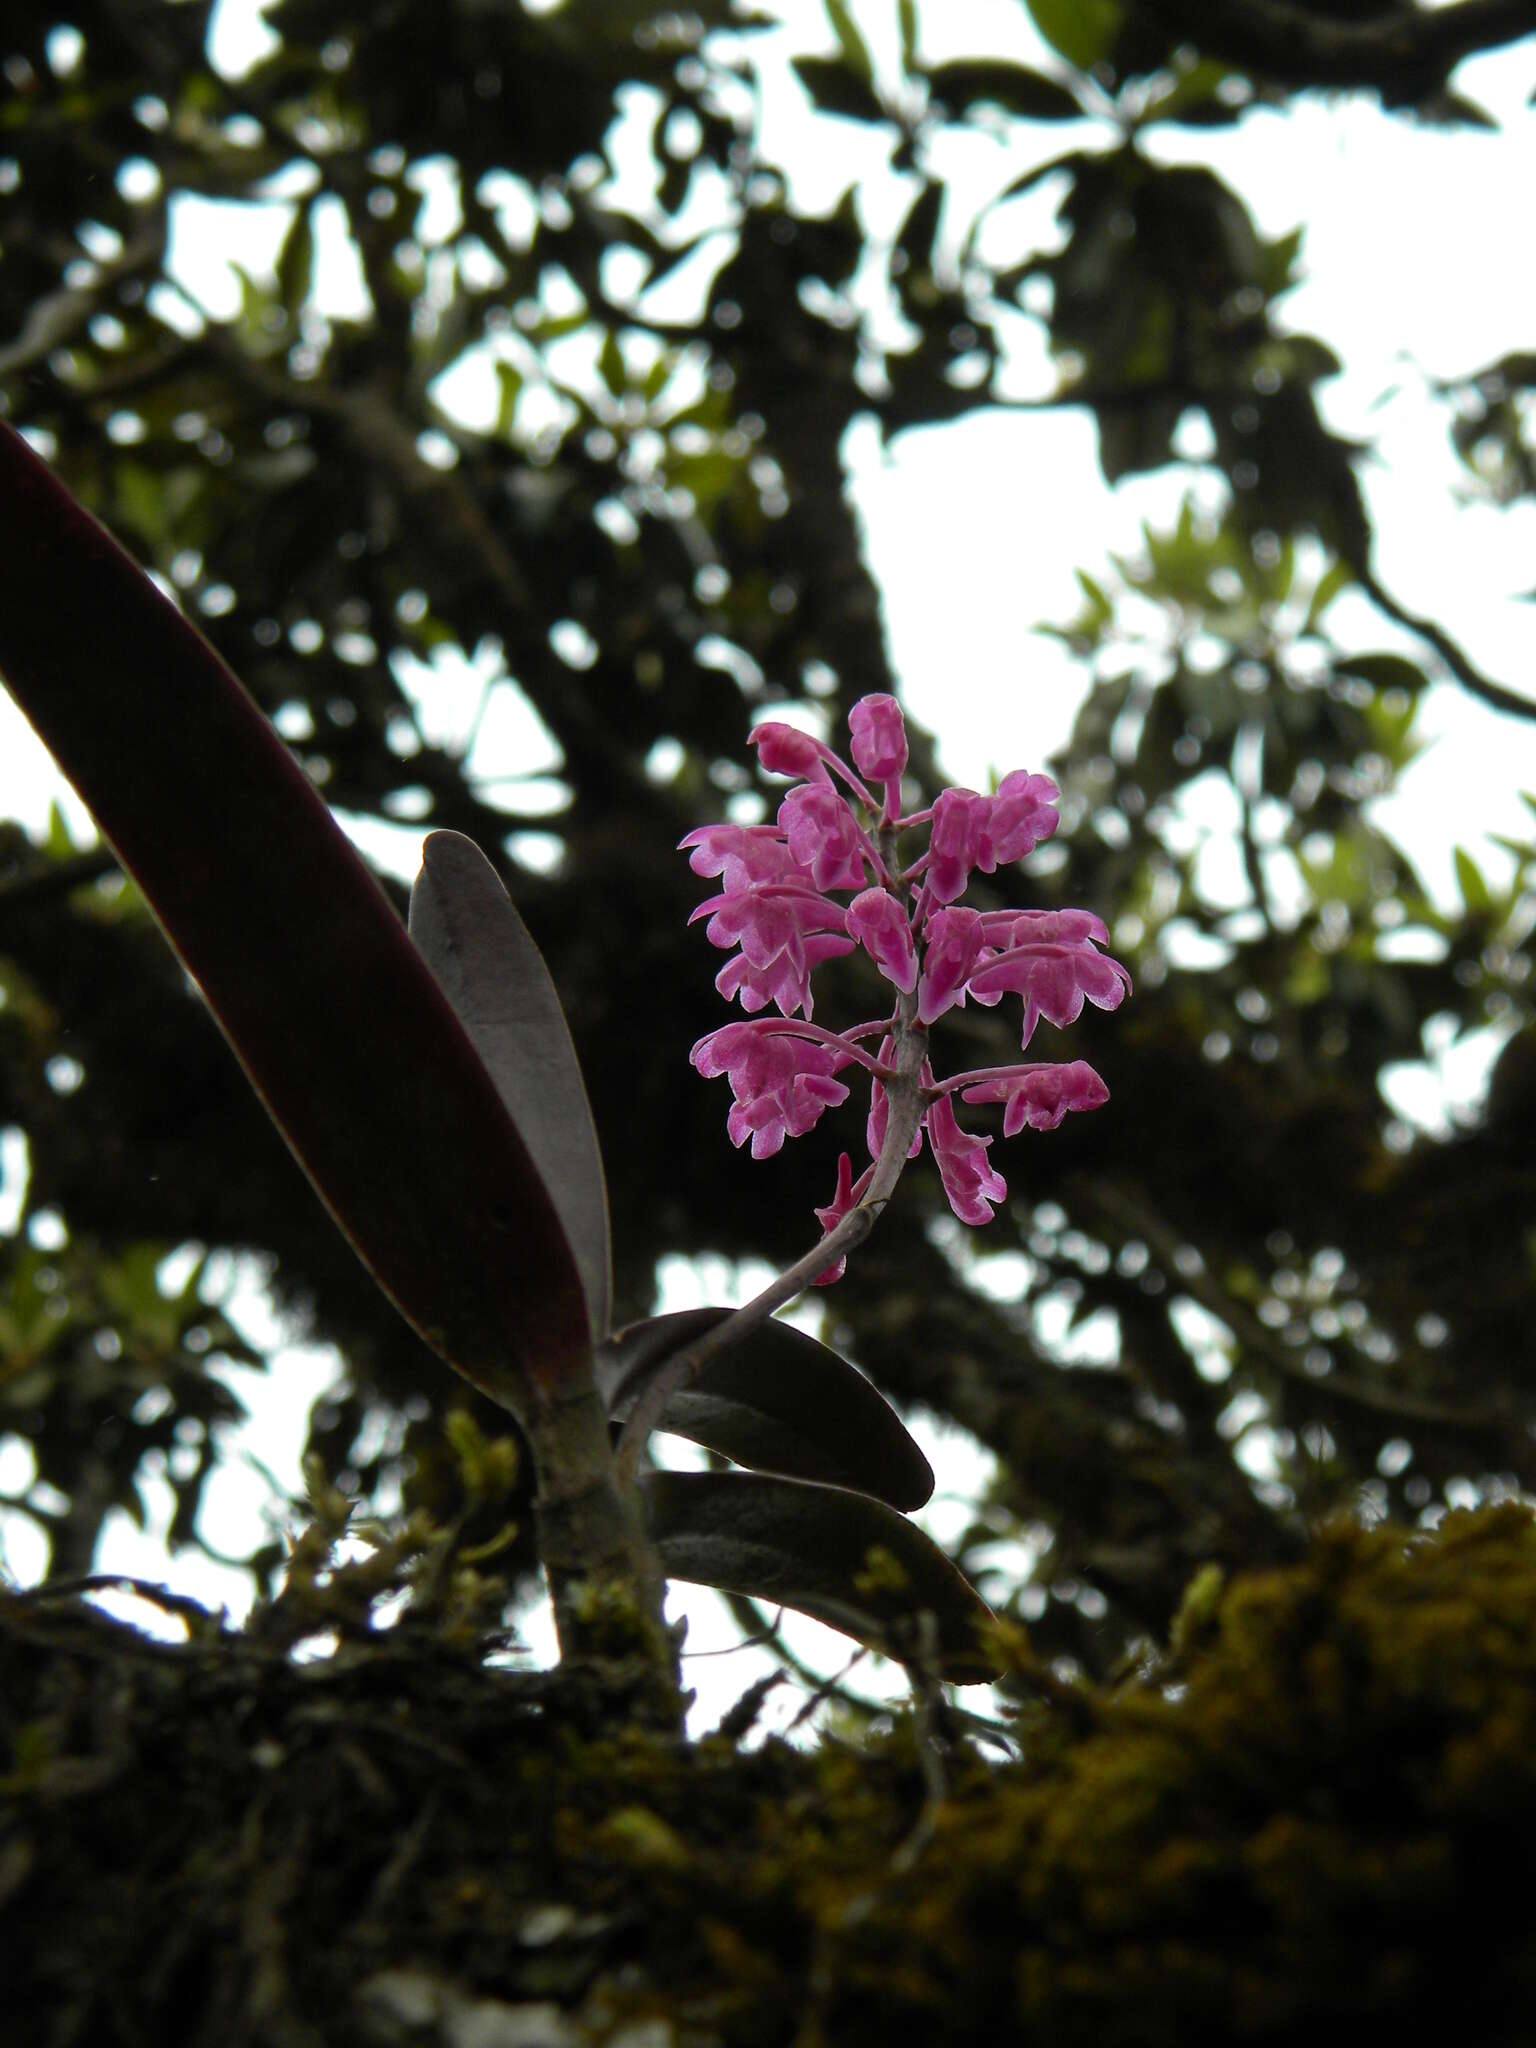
x=1298, y=47
x=1470, y=678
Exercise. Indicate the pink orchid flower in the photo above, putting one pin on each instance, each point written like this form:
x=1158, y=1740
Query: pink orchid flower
x=837, y=836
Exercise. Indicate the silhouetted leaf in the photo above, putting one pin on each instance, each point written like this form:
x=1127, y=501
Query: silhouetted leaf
x=1084, y=31
x=296, y=265
x=839, y=1556
x=488, y=966
x=1470, y=880
x=778, y=1401
x=1193, y=97
x=918, y=240
x=1336, y=578
x=853, y=46
x=336, y=1018
x=838, y=90
x=1029, y=94
x=1383, y=671
x=906, y=18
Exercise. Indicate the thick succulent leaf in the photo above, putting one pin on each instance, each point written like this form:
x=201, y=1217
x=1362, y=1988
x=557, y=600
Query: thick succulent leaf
x=839, y=1556
x=777, y=1401
x=488, y=966
x=333, y=1013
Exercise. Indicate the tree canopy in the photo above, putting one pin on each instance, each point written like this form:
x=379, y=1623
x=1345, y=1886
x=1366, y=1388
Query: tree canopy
x=541, y=407
x=651, y=539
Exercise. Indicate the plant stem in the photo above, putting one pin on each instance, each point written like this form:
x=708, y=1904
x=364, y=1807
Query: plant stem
x=605, y=1582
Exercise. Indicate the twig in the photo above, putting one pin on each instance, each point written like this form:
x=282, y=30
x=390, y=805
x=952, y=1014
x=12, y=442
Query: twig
x=1470, y=678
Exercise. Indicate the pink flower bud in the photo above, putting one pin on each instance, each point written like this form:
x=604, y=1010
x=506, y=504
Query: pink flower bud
x=847, y=1197
x=785, y=750
x=879, y=737
x=958, y=818
x=876, y=920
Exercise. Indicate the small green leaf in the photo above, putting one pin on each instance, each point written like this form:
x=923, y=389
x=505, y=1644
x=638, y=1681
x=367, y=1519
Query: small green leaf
x=556, y=326
x=906, y=17
x=1383, y=672
x=610, y=364
x=1192, y=96
x=58, y=844
x=1014, y=87
x=1336, y=578
x=853, y=46
x=919, y=237
x=486, y=963
x=1099, y=609
x=838, y=1556
x=837, y=90
x=1475, y=893
x=778, y=1401
x=509, y=380
x=1083, y=31
x=296, y=265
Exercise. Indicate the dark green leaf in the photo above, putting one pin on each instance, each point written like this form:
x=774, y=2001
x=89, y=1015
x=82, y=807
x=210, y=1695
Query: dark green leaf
x=1084, y=31
x=906, y=16
x=509, y=381
x=488, y=966
x=610, y=364
x=839, y=1556
x=1449, y=109
x=1475, y=892
x=1014, y=87
x=853, y=46
x=296, y=265
x=1336, y=578
x=345, y=1036
x=1192, y=98
x=837, y=90
x=919, y=237
x=1383, y=671
x=778, y=1401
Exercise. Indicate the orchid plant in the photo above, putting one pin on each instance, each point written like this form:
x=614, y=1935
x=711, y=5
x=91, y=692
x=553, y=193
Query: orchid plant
x=425, y=1081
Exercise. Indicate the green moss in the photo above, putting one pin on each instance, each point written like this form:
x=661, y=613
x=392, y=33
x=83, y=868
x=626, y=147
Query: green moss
x=1327, y=1824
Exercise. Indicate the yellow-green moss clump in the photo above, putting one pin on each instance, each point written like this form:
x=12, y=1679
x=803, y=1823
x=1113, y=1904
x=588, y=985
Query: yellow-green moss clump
x=1316, y=1823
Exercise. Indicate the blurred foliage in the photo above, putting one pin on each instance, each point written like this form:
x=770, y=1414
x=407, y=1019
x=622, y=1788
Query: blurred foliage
x=576, y=447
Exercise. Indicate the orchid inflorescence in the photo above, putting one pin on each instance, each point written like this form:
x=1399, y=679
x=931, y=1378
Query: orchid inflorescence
x=778, y=905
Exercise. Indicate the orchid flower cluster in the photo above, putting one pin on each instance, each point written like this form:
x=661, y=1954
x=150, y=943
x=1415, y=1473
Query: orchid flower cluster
x=779, y=912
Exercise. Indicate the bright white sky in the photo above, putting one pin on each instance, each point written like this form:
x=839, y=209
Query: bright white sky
x=974, y=529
